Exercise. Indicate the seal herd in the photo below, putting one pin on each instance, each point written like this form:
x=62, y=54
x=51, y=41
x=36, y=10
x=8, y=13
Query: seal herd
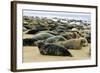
x=56, y=36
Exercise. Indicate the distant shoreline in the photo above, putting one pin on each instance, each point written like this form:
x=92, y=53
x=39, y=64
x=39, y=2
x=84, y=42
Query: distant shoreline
x=52, y=14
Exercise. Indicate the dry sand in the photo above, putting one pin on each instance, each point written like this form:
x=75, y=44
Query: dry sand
x=32, y=54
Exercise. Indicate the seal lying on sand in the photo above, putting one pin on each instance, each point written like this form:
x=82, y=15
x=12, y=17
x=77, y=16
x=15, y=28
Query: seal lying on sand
x=55, y=39
x=39, y=36
x=73, y=43
x=52, y=49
